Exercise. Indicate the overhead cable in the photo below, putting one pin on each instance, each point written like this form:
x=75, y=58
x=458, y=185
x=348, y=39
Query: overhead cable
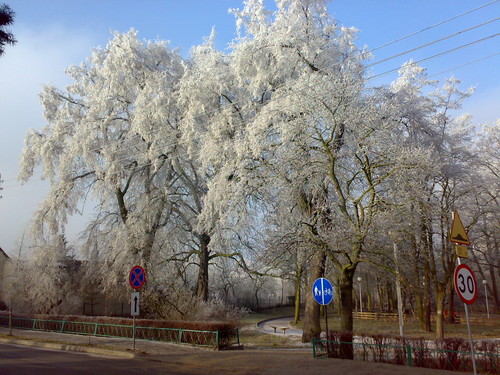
x=433, y=42
x=436, y=55
x=432, y=26
x=466, y=64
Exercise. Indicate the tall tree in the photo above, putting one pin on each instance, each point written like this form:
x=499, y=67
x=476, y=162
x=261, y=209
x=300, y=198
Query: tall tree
x=305, y=127
x=6, y=19
x=111, y=136
x=484, y=208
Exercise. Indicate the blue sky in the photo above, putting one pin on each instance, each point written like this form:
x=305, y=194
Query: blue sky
x=54, y=34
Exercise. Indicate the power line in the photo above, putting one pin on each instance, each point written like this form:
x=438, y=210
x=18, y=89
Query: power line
x=433, y=42
x=466, y=64
x=435, y=25
x=436, y=55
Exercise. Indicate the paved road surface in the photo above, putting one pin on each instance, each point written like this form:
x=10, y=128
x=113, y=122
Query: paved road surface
x=164, y=358
x=17, y=360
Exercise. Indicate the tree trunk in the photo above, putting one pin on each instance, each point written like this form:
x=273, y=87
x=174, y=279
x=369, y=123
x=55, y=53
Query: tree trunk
x=440, y=295
x=494, y=288
x=451, y=305
x=427, y=306
x=298, y=285
x=390, y=297
x=257, y=301
x=312, y=326
x=381, y=295
x=345, y=286
x=204, y=258
x=419, y=300
x=368, y=298
x=120, y=196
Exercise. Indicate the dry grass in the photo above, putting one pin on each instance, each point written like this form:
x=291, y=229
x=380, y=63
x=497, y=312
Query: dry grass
x=411, y=329
x=250, y=337
x=257, y=316
x=371, y=327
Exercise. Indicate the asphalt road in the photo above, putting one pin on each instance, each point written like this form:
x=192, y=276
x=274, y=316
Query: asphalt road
x=19, y=360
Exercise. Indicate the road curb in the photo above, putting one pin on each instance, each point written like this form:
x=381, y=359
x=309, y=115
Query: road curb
x=69, y=347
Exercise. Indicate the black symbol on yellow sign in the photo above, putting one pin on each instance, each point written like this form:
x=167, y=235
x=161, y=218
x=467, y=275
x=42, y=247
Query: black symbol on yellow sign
x=458, y=233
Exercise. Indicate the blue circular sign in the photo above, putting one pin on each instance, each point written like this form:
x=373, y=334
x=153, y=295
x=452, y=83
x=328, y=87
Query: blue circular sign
x=137, y=277
x=322, y=290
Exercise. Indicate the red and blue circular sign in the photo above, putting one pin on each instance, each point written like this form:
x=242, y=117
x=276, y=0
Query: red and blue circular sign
x=137, y=277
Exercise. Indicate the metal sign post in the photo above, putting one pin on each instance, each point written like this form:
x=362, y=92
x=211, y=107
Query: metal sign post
x=322, y=290
x=133, y=333
x=134, y=311
x=466, y=288
x=464, y=279
x=136, y=279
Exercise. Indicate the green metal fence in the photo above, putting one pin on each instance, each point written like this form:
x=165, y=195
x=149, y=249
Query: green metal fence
x=487, y=363
x=214, y=339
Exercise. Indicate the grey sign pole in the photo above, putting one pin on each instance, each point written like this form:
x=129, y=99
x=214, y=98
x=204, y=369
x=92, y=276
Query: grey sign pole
x=472, y=353
x=134, y=311
x=133, y=333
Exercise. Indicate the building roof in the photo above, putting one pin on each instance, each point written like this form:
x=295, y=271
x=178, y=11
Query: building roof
x=3, y=253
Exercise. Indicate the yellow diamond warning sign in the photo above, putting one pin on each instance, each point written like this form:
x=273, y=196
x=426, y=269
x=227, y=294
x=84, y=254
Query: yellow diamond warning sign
x=458, y=233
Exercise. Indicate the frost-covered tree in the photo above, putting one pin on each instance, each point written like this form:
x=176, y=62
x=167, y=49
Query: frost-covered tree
x=275, y=154
x=428, y=197
x=110, y=138
x=124, y=135
x=210, y=96
x=484, y=207
x=51, y=278
x=299, y=124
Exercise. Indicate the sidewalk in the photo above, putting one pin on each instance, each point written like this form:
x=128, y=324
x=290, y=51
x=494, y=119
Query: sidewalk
x=97, y=345
x=276, y=325
x=208, y=361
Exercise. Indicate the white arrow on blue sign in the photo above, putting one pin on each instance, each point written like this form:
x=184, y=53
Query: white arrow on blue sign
x=322, y=291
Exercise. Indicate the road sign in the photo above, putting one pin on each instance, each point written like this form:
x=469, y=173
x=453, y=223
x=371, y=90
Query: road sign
x=322, y=291
x=137, y=277
x=458, y=233
x=465, y=284
x=135, y=300
x=461, y=251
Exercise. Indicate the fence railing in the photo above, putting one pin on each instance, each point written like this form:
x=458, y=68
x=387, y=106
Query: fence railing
x=370, y=315
x=377, y=316
x=214, y=339
x=453, y=360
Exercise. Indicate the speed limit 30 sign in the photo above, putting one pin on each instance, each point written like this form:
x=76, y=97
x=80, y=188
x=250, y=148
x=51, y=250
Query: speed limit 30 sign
x=465, y=284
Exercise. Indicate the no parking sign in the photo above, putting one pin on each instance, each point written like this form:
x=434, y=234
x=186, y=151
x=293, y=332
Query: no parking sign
x=137, y=277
